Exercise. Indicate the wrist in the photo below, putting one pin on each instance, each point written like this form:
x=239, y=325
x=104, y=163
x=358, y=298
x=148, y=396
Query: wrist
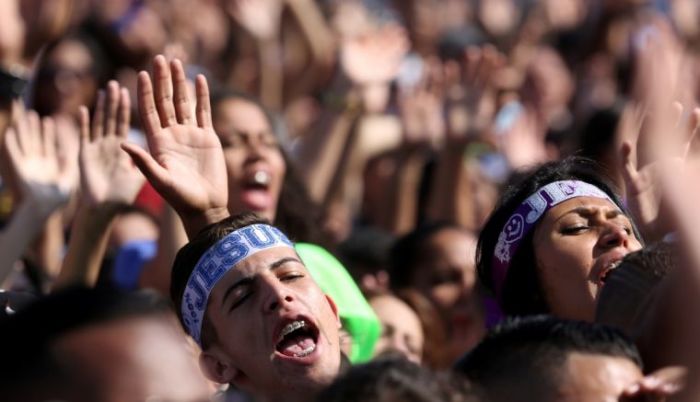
x=194, y=222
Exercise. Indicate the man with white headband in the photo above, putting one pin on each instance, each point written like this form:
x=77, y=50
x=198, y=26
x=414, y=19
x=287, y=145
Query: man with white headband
x=239, y=286
x=262, y=322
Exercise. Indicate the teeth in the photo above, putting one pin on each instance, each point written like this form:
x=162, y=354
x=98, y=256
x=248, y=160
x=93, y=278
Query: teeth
x=614, y=264
x=289, y=328
x=261, y=177
x=306, y=351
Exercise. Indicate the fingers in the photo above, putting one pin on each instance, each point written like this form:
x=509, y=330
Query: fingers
x=48, y=130
x=99, y=117
x=113, y=95
x=146, y=105
x=13, y=148
x=629, y=161
x=203, y=109
x=84, y=121
x=183, y=111
x=124, y=117
x=155, y=173
x=163, y=91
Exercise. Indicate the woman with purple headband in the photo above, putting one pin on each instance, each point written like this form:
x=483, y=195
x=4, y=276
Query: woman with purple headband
x=552, y=239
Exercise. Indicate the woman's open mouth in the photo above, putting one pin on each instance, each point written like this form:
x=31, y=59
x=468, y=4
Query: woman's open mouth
x=605, y=272
x=255, y=192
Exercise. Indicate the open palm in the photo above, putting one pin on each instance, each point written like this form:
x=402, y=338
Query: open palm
x=107, y=173
x=186, y=162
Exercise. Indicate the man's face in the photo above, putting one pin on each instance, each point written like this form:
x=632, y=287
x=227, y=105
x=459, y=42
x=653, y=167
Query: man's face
x=596, y=378
x=277, y=333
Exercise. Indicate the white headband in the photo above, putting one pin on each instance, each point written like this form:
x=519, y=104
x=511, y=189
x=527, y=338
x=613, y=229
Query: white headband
x=217, y=261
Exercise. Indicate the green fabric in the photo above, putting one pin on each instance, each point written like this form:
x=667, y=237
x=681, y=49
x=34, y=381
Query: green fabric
x=357, y=316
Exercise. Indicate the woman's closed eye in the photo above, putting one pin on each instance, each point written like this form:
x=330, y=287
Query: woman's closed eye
x=574, y=229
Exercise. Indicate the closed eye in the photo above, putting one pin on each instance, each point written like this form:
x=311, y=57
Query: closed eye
x=572, y=230
x=239, y=300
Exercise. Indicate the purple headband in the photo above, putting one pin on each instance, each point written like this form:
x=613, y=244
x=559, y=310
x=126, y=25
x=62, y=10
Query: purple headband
x=526, y=216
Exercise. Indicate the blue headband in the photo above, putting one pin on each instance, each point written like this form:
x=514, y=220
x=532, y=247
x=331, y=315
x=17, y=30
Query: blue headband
x=216, y=262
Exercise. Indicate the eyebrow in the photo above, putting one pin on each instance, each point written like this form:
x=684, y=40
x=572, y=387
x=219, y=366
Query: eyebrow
x=249, y=279
x=587, y=211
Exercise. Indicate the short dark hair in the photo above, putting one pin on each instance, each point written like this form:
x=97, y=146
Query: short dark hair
x=395, y=379
x=30, y=366
x=629, y=291
x=522, y=292
x=188, y=256
x=524, y=355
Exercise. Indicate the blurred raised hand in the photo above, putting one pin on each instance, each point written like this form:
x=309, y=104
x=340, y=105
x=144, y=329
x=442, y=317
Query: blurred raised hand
x=186, y=161
x=471, y=94
x=107, y=174
x=32, y=148
x=374, y=57
x=259, y=17
x=657, y=130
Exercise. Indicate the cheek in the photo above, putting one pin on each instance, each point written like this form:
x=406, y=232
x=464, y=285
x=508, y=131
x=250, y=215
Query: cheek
x=445, y=295
x=234, y=161
x=565, y=258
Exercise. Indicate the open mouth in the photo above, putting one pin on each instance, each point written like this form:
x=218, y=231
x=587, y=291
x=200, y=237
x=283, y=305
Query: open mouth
x=258, y=180
x=605, y=273
x=256, y=194
x=297, y=338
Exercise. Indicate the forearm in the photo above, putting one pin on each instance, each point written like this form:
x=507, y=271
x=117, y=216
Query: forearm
x=156, y=273
x=48, y=247
x=402, y=206
x=24, y=226
x=87, y=246
x=271, y=73
x=446, y=200
x=195, y=221
x=315, y=29
x=320, y=154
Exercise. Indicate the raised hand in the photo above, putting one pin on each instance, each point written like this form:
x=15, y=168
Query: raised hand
x=656, y=132
x=259, y=17
x=32, y=148
x=471, y=95
x=186, y=162
x=375, y=57
x=107, y=173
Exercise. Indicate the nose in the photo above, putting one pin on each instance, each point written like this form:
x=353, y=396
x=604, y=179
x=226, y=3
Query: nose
x=614, y=235
x=276, y=296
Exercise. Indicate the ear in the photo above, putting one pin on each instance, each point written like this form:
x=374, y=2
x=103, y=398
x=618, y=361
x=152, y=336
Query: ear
x=216, y=366
x=334, y=308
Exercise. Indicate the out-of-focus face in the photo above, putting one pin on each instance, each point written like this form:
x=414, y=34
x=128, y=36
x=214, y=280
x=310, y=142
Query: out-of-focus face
x=401, y=328
x=576, y=244
x=134, y=360
x=67, y=79
x=254, y=161
x=447, y=271
x=595, y=378
x=278, y=334
x=446, y=276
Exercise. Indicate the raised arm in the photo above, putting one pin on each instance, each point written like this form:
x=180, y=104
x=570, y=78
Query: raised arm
x=30, y=146
x=186, y=162
x=109, y=181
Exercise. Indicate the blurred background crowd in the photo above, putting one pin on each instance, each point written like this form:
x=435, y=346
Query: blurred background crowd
x=384, y=131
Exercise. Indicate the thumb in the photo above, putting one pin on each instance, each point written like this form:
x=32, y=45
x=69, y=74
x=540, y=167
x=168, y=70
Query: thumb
x=155, y=173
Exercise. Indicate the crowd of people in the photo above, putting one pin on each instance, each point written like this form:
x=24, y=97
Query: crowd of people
x=349, y=200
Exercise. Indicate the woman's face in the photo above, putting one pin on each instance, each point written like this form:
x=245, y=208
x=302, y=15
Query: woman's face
x=576, y=244
x=66, y=79
x=254, y=161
